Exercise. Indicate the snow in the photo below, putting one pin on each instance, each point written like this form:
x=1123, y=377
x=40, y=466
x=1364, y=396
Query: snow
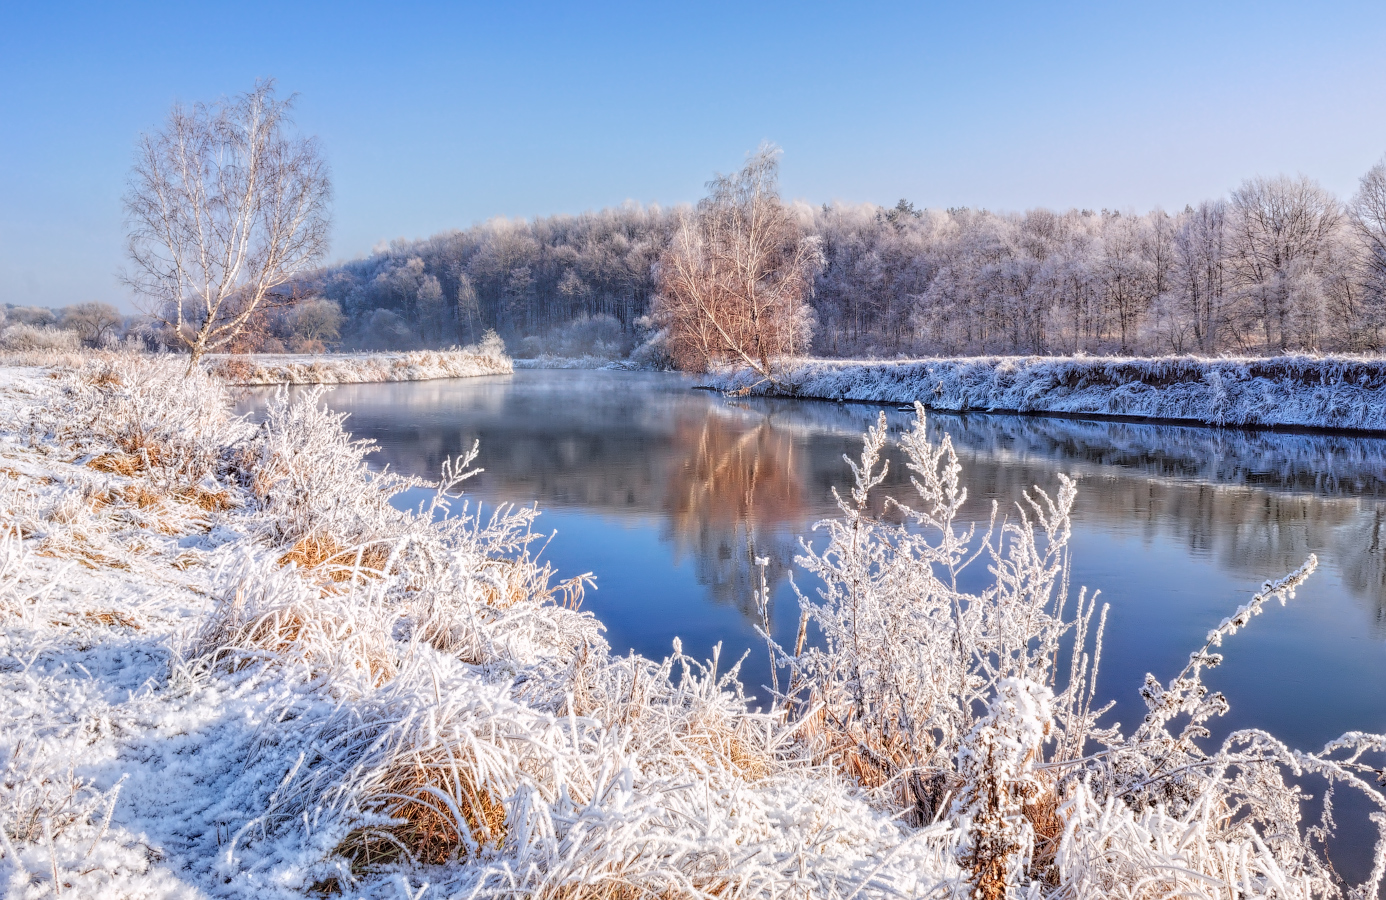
x=231, y=668
x=183, y=716
x=577, y=362
x=1347, y=393
x=357, y=368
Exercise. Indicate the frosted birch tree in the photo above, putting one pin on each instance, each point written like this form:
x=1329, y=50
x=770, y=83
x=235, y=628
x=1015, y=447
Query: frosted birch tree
x=224, y=208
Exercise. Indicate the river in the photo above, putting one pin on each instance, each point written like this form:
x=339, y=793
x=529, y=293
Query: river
x=666, y=493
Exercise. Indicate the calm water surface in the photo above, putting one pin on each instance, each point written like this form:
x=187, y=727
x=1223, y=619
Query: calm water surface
x=666, y=493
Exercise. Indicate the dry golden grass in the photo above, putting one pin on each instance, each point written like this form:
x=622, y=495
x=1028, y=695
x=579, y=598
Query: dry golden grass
x=208, y=501
x=512, y=587
x=185, y=561
x=106, y=376
x=429, y=831
x=79, y=549
x=1042, y=811
x=164, y=517
x=311, y=551
x=118, y=464
x=111, y=617
x=340, y=564
x=719, y=746
x=139, y=496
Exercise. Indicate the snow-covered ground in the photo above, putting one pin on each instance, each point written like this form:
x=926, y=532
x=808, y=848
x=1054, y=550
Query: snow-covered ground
x=1317, y=392
x=357, y=368
x=231, y=668
x=570, y=362
x=229, y=665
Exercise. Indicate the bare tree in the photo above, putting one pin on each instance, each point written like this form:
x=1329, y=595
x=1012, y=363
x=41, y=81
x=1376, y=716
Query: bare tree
x=468, y=309
x=734, y=283
x=96, y=324
x=317, y=322
x=224, y=208
x=1282, y=229
x=1369, y=224
x=1200, y=273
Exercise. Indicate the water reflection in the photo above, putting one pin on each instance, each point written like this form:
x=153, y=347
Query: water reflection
x=729, y=480
x=729, y=497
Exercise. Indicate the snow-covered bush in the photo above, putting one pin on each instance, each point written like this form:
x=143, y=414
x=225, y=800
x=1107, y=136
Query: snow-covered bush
x=310, y=482
x=265, y=612
x=923, y=692
x=415, y=365
x=22, y=337
x=490, y=345
x=147, y=415
x=908, y=660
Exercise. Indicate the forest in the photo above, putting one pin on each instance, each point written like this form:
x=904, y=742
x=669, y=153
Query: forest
x=1278, y=265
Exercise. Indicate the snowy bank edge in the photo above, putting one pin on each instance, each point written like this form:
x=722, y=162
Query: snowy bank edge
x=1330, y=393
x=419, y=365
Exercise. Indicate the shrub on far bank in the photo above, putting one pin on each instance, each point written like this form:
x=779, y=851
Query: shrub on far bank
x=22, y=337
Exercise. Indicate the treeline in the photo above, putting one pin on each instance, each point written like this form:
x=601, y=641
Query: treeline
x=572, y=284
x=1279, y=265
x=311, y=325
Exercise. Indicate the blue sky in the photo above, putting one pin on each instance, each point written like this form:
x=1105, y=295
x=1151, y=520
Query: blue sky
x=437, y=116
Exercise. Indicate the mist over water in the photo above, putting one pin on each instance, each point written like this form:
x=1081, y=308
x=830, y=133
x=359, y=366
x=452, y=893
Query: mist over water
x=667, y=494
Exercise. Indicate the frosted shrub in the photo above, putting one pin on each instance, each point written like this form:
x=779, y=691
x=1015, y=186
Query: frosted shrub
x=908, y=661
x=490, y=344
x=308, y=478
x=142, y=416
x=923, y=692
x=22, y=337
x=267, y=613
x=996, y=768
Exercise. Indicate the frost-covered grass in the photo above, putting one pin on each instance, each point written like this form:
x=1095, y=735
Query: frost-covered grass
x=1305, y=391
x=232, y=668
x=546, y=361
x=575, y=362
x=357, y=368
x=272, y=369
x=20, y=338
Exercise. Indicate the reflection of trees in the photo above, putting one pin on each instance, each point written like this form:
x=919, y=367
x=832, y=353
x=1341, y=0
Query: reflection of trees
x=756, y=473
x=737, y=494
x=1322, y=464
x=1364, y=569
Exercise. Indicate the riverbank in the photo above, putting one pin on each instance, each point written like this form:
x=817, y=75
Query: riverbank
x=232, y=668
x=572, y=362
x=1334, y=393
x=356, y=368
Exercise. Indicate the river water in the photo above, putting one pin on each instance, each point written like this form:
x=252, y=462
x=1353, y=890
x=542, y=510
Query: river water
x=665, y=493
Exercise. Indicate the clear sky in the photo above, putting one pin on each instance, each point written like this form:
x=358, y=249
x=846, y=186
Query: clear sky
x=439, y=116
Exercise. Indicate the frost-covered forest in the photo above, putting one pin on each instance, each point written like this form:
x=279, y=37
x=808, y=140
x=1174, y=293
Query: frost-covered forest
x=1278, y=264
